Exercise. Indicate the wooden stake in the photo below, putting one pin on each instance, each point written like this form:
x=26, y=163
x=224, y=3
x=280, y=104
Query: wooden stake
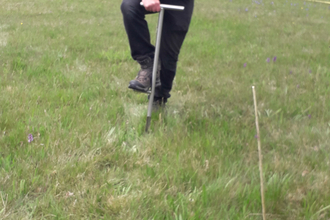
x=260, y=156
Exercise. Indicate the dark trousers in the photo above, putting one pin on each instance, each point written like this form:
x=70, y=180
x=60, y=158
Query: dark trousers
x=175, y=28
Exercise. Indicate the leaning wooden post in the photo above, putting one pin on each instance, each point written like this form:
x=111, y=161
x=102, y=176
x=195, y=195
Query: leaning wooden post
x=260, y=156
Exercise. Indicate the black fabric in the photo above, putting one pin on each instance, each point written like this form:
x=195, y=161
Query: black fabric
x=175, y=28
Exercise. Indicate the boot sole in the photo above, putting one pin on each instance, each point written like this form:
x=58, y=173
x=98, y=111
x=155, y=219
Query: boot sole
x=141, y=89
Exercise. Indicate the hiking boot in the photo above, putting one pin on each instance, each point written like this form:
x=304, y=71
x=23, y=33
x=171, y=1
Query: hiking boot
x=142, y=81
x=159, y=103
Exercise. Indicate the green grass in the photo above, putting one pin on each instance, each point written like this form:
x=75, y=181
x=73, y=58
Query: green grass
x=64, y=71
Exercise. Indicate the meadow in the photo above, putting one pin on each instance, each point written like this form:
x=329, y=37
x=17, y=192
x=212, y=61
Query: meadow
x=72, y=141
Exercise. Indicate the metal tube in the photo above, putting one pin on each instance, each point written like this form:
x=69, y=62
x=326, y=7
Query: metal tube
x=163, y=7
x=170, y=7
x=154, y=71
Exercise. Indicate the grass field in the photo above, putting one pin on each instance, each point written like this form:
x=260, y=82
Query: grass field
x=64, y=71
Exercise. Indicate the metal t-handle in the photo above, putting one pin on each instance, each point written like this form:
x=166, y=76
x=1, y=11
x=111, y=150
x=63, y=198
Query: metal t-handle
x=163, y=7
x=170, y=7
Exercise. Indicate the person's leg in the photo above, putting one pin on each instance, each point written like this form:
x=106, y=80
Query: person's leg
x=139, y=40
x=175, y=28
x=137, y=30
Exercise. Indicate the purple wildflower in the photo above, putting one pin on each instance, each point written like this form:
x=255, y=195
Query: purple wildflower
x=298, y=86
x=290, y=71
x=246, y=9
x=256, y=136
x=309, y=116
x=30, y=138
x=268, y=60
x=310, y=71
x=274, y=59
x=244, y=64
